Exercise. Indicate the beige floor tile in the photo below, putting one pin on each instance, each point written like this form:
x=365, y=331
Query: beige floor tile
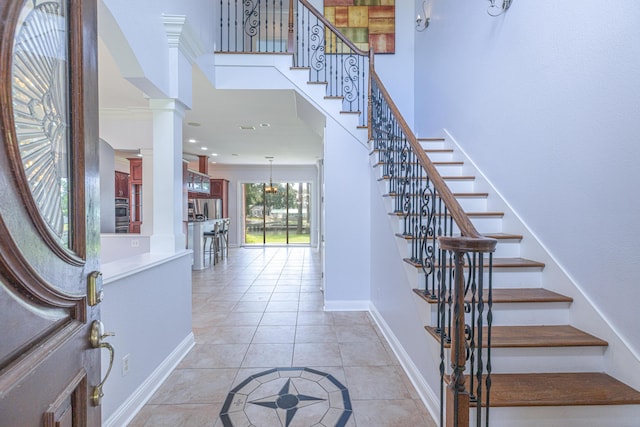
x=279, y=319
x=225, y=335
x=268, y=355
x=375, y=382
x=315, y=334
x=389, y=413
x=249, y=307
x=194, y=386
x=215, y=355
x=351, y=318
x=287, y=289
x=356, y=333
x=241, y=319
x=285, y=296
x=317, y=354
x=256, y=296
x=366, y=353
x=282, y=306
x=314, y=318
x=181, y=415
x=274, y=335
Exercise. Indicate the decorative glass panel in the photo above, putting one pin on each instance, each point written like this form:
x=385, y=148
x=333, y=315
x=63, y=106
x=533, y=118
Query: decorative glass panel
x=40, y=85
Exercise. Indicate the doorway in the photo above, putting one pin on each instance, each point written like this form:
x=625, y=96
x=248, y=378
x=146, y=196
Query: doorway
x=277, y=214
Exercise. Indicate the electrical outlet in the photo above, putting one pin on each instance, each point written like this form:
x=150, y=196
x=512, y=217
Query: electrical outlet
x=135, y=243
x=125, y=364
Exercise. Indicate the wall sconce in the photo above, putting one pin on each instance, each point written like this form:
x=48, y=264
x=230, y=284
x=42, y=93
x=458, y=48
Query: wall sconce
x=496, y=10
x=422, y=22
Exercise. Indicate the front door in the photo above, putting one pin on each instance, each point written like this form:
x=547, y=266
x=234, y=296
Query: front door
x=49, y=226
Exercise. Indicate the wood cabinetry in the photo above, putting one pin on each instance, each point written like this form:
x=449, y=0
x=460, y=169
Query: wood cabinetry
x=220, y=190
x=122, y=184
x=135, y=194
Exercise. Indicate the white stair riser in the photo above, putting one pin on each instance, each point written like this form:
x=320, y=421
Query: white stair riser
x=520, y=314
x=538, y=360
x=434, y=145
x=473, y=204
x=461, y=186
x=546, y=359
x=440, y=156
x=449, y=170
x=563, y=416
x=506, y=249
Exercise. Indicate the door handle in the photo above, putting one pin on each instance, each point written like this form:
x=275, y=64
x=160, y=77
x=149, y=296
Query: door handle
x=96, y=341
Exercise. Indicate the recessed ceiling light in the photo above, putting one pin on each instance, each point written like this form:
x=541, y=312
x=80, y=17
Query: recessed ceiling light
x=235, y=155
x=194, y=124
x=268, y=157
x=204, y=148
x=247, y=127
x=139, y=154
x=191, y=140
x=213, y=154
x=213, y=163
x=265, y=125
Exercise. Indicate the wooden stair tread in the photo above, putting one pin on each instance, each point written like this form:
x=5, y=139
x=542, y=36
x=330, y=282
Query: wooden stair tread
x=497, y=236
x=446, y=178
x=452, y=163
x=515, y=262
x=511, y=295
x=459, y=178
x=534, y=336
x=430, y=139
x=560, y=389
x=469, y=214
x=334, y=97
x=460, y=195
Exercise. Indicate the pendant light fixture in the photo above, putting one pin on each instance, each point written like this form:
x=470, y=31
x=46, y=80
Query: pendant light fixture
x=270, y=189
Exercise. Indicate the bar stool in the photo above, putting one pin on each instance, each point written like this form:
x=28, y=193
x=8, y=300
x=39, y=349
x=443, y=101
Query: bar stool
x=212, y=238
x=224, y=238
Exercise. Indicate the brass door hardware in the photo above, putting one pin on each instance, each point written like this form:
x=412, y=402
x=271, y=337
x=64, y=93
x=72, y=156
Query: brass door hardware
x=96, y=341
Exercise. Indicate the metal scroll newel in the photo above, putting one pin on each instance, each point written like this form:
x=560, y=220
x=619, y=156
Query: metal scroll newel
x=456, y=261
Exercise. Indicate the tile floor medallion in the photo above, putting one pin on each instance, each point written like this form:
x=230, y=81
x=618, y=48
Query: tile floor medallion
x=287, y=397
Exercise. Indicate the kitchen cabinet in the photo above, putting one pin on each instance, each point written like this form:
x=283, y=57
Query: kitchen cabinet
x=220, y=190
x=122, y=185
x=135, y=195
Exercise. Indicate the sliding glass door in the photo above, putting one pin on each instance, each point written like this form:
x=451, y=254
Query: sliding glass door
x=278, y=214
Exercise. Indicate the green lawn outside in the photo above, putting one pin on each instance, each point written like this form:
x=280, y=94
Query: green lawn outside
x=280, y=237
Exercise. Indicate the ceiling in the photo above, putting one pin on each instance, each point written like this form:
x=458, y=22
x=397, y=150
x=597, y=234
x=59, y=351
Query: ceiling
x=229, y=126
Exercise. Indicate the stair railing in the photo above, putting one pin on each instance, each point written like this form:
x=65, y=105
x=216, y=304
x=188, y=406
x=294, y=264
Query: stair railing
x=442, y=240
x=455, y=258
x=296, y=27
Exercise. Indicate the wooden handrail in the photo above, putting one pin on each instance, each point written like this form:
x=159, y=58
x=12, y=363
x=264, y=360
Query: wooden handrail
x=461, y=219
x=333, y=29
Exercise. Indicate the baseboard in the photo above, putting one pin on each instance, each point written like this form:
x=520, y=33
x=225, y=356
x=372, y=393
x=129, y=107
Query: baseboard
x=347, y=305
x=427, y=395
x=132, y=405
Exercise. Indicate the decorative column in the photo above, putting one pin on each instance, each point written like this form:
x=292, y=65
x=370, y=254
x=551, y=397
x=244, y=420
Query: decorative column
x=167, y=235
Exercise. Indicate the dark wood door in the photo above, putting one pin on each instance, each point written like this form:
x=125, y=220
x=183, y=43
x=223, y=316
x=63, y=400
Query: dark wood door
x=49, y=228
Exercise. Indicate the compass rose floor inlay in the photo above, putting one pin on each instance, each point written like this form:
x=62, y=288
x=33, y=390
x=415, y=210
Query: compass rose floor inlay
x=285, y=397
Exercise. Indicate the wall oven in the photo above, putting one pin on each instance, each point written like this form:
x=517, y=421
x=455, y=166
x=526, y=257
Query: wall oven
x=122, y=215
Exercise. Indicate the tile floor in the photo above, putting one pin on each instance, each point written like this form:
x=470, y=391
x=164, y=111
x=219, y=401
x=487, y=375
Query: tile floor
x=267, y=355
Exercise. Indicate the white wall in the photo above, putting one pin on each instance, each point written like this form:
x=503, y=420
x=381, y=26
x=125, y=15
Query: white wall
x=150, y=312
x=347, y=221
x=546, y=100
x=396, y=70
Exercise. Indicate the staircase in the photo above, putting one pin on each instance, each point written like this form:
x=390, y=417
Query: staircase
x=544, y=371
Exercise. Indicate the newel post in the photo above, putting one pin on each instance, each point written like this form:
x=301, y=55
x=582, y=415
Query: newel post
x=290, y=45
x=457, y=394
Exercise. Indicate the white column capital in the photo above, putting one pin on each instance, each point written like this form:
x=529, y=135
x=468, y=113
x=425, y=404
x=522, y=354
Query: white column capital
x=181, y=35
x=167, y=105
